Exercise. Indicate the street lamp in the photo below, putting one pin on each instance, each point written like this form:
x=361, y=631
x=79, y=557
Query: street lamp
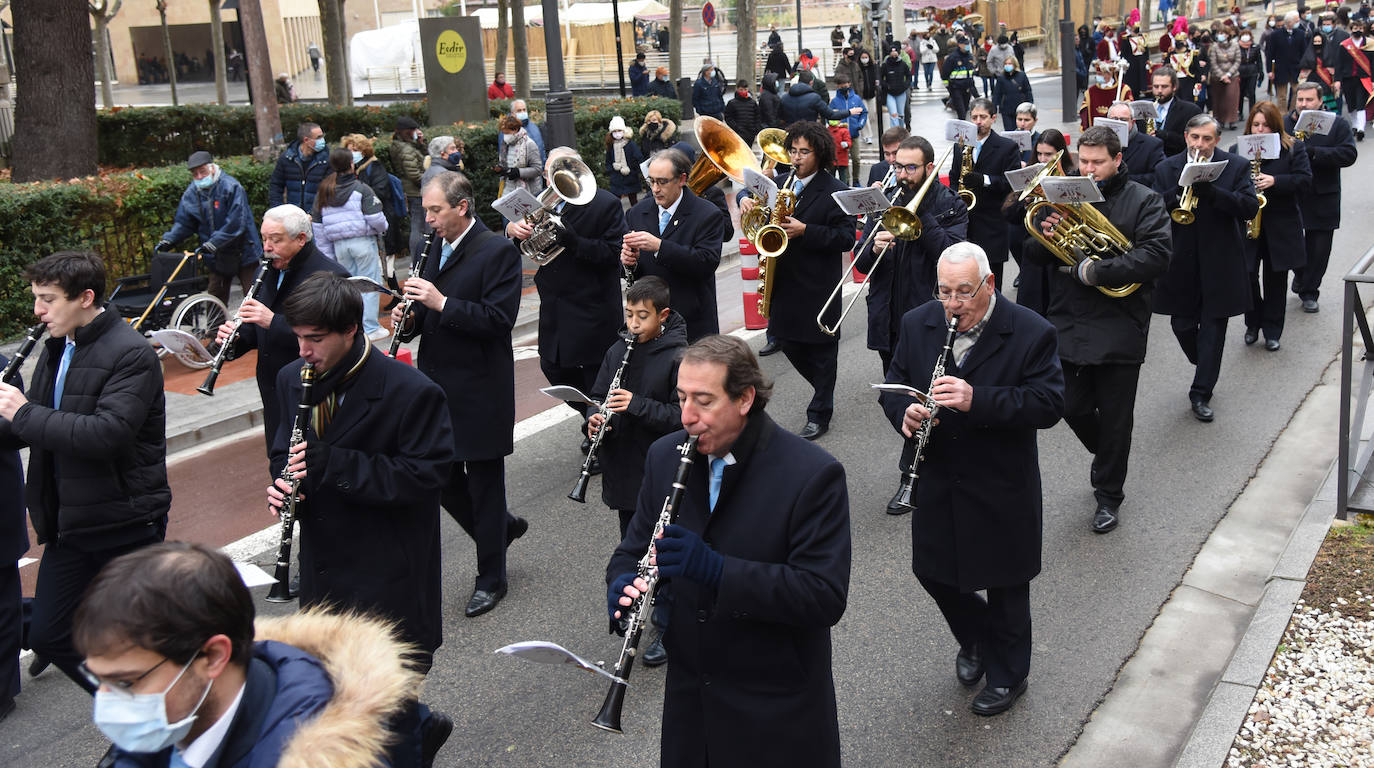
x=558, y=100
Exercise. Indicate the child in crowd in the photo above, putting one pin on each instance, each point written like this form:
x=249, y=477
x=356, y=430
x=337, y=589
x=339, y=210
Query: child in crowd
x=623, y=159
x=840, y=133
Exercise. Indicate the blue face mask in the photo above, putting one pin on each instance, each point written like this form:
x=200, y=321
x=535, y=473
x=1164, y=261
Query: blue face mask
x=1326, y=28
x=319, y=144
x=455, y=158
x=522, y=116
x=138, y=722
x=205, y=182
x=357, y=157
x=1009, y=69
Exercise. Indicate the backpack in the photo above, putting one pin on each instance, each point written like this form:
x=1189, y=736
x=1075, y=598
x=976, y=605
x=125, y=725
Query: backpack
x=399, y=209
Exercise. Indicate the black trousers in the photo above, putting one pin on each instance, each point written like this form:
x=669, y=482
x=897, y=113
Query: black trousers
x=1202, y=340
x=1307, y=282
x=475, y=497
x=996, y=267
x=582, y=376
x=63, y=575
x=219, y=284
x=11, y=631
x=999, y=627
x=1099, y=406
x=819, y=365
x=959, y=98
x=1269, y=287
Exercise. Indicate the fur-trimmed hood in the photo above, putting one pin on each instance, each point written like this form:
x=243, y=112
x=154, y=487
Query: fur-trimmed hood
x=665, y=136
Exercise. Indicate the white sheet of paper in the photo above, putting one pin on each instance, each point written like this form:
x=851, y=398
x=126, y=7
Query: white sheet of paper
x=861, y=201
x=903, y=389
x=961, y=131
x=23, y=561
x=570, y=394
x=1144, y=110
x=1071, y=189
x=1195, y=172
x=644, y=169
x=253, y=576
x=552, y=653
x=1122, y=128
x=1020, y=177
x=516, y=204
x=1263, y=145
x=1315, y=122
x=761, y=186
x=180, y=342
x=1022, y=139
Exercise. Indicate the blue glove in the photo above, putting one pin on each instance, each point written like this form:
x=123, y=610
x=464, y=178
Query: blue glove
x=682, y=553
x=617, y=591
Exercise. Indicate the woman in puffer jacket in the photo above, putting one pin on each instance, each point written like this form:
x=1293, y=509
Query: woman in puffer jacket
x=348, y=217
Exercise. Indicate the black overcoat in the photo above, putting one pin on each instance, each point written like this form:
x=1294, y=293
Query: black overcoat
x=687, y=260
x=466, y=348
x=1327, y=154
x=904, y=278
x=653, y=411
x=749, y=682
x=1096, y=329
x=811, y=264
x=1207, y=275
x=579, y=292
x=14, y=534
x=1171, y=130
x=976, y=528
x=986, y=227
x=370, y=515
x=276, y=344
x=1281, y=223
x=1142, y=155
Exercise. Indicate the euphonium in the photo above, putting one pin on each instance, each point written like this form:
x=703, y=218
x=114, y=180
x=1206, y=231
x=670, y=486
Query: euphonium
x=723, y=153
x=1183, y=214
x=569, y=180
x=965, y=168
x=1082, y=232
x=1252, y=227
x=281, y=590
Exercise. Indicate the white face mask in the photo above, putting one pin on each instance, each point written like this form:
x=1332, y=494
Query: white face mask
x=138, y=723
x=509, y=138
x=617, y=134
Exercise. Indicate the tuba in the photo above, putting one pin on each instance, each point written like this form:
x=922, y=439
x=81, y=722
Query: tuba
x=570, y=181
x=1082, y=233
x=1252, y=227
x=965, y=168
x=723, y=153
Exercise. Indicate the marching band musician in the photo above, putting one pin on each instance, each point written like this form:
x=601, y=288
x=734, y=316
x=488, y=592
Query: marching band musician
x=758, y=560
x=1174, y=113
x=14, y=542
x=579, y=291
x=1279, y=248
x=975, y=528
x=993, y=156
x=676, y=235
x=1142, y=152
x=1207, y=280
x=890, y=140
x=818, y=234
x=1136, y=52
x=288, y=236
x=1321, y=210
x=464, y=309
x=376, y=455
x=1102, y=339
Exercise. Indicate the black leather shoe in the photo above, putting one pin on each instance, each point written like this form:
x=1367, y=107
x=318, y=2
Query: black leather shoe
x=968, y=666
x=483, y=601
x=1104, y=519
x=37, y=666
x=655, y=655
x=1309, y=306
x=1202, y=411
x=812, y=430
x=994, y=701
x=769, y=349
x=586, y=445
x=1251, y=336
x=433, y=733
x=516, y=529
x=1271, y=344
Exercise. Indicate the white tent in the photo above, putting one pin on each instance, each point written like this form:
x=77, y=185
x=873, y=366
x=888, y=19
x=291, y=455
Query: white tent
x=390, y=51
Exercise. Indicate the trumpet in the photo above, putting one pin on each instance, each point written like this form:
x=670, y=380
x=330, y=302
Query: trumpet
x=1187, y=202
x=1252, y=227
x=407, y=306
x=25, y=349
x=579, y=491
x=222, y=354
x=281, y=590
x=904, y=224
x=904, y=499
x=965, y=168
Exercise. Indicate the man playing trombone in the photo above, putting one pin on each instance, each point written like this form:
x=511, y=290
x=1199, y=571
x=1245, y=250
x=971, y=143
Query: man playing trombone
x=1102, y=338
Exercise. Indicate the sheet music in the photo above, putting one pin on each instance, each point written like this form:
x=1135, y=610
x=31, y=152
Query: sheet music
x=516, y=204
x=1264, y=145
x=252, y=575
x=545, y=652
x=761, y=186
x=961, y=131
x=1071, y=189
x=1314, y=122
x=569, y=394
x=1195, y=172
x=1121, y=127
x=903, y=389
x=1144, y=110
x=861, y=201
x=1020, y=177
x=1022, y=139
x=180, y=342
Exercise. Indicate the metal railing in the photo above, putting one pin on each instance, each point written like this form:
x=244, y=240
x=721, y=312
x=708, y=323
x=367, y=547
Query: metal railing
x=1348, y=476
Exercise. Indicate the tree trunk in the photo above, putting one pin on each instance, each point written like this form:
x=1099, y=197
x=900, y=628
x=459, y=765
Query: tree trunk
x=674, y=40
x=53, y=104
x=1049, y=18
x=520, y=48
x=167, y=51
x=502, y=36
x=266, y=117
x=746, y=26
x=102, y=55
x=217, y=48
x=335, y=60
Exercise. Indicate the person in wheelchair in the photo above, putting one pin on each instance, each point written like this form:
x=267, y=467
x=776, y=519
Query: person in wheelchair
x=214, y=207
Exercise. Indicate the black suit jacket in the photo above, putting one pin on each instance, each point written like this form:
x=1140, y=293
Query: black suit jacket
x=986, y=227
x=579, y=292
x=14, y=532
x=1328, y=154
x=808, y=269
x=466, y=347
x=1171, y=130
x=878, y=172
x=687, y=259
x=1281, y=223
x=1142, y=155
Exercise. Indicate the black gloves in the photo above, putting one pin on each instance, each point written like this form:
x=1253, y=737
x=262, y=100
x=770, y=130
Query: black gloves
x=513, y=173
x=163, y=246
x=208, y=249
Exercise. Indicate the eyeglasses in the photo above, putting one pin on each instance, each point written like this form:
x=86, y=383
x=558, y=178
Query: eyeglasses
x=799, y=151
x=121, y=688
x=959, y=296
x=909, y=168
x=660, y=182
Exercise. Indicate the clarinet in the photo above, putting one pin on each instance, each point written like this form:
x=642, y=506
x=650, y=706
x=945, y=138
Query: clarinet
x=919, y=441
x=281, y=591
x=407, y=308
x=208, y=388
x=608, y=718
x=25, y=349
x=579, y=491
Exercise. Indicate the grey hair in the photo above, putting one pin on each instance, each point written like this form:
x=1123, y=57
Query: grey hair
x=292, y=219
x=1292, y=16
x=456, y=189
x=1027, y=108
x=1125, y=104
x=304, y=130
x=438, y=144
x=1199, y=120
x=679, y=160
x=962, y=252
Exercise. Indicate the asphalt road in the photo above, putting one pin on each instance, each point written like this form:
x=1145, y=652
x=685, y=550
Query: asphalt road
x=899, y=703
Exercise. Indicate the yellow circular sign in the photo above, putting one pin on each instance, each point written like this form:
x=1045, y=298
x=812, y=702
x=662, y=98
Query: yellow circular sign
x=451, y=51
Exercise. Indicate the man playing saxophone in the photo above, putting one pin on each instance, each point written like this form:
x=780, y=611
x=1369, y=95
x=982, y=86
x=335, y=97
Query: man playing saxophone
x=977, y=523
x=1102, y=339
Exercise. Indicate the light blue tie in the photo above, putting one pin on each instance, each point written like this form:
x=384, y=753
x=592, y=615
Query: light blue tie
x=663, y=219
x=561, y=205
x=717, y=472
x=280, y=277
x=977, y=149
x=444, y=253
x=62, y=367
x=177, y=760
x=797, y=187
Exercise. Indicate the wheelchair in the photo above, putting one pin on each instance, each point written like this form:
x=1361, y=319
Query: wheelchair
x=172, y=295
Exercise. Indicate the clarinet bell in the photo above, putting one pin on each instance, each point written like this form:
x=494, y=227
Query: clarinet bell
x=208, y=388
x=281, y=592
x=608, y=719
x=903, y=503
x=579, y=491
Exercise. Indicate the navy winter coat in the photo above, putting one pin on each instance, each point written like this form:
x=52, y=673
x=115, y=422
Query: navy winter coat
x=219, y=216
x=296, y=177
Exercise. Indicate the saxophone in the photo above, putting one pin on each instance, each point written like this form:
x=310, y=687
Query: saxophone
x=771, y=241
x=1252, y=227
x=281, y=591
x=904, y=500
x=966, y=168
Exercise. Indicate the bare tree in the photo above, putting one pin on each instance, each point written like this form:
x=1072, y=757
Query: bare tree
x=53, y=107
x=746, y=27
x=217, y=49
x=335, y=51
x=520, y=48
x=674, y=40
x=167, y=50
x=502, y=35
x=1049, y=19
x=102, y=11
